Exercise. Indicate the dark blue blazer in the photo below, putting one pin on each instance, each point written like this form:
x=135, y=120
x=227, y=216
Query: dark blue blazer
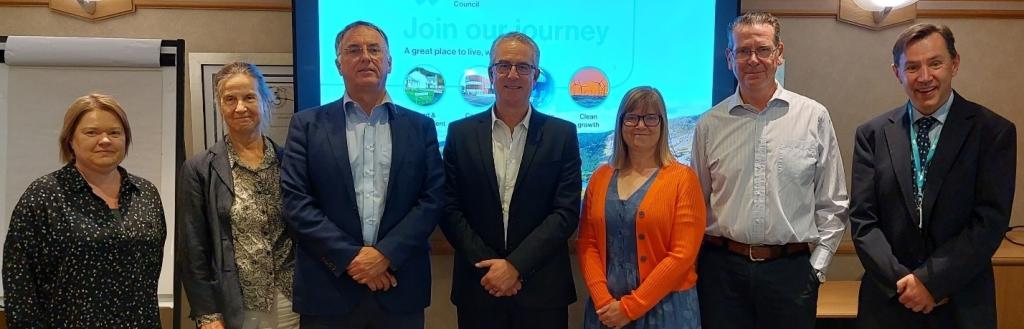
x=967, y=200
x=320, y=209
x=543, y=214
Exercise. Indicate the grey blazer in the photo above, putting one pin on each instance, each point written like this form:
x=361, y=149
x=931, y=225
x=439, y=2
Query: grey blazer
x=206, y=256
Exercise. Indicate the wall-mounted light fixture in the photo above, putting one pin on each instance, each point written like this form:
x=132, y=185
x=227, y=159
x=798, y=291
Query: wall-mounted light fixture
x=93, y=10
x=88, y=5
x=877, y=14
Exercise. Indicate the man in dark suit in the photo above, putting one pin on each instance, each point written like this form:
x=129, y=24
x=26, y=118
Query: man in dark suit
x=513, y=198
x=362, y=183
x=932, y=191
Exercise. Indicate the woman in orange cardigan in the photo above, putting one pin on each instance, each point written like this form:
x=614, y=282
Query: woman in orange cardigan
x=641, y=227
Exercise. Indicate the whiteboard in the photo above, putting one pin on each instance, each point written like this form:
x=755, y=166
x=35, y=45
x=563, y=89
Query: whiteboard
x=33, y=100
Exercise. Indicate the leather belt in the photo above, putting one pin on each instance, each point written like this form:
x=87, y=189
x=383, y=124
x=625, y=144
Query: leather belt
x=758, y=253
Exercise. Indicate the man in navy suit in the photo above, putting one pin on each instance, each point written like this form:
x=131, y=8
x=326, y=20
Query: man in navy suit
x=362, y=184
x=932, y=191
x=513, y=200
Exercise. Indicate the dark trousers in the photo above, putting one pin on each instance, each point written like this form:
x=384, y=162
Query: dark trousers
x=736, y=293
x=513, y=316
x=367, y=315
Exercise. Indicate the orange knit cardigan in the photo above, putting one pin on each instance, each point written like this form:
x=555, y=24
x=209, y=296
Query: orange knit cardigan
x=669, y=229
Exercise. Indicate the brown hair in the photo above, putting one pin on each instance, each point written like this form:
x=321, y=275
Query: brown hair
x=262, y=89
x=920, y=31
x=78, y=109
x=755, y=18
x=643, y=97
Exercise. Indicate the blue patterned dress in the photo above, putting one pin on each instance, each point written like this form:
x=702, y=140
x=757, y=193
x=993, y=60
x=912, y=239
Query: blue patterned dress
x=678, y=310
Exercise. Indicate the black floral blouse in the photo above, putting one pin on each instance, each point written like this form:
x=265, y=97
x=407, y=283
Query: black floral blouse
x=263, y=251
x=72, y=262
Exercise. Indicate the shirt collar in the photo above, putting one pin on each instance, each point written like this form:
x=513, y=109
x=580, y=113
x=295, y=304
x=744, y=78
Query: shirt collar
x=350, y=105
x=526, y=119
x=939, y=114
x=780, y=94
x=269, y=156
x=74, y=179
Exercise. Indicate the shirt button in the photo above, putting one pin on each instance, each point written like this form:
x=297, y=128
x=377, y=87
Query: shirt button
x=641, y=237
x=641, y=214
x=643, y=259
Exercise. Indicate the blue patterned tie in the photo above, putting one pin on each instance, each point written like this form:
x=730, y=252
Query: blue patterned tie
x=923, y=126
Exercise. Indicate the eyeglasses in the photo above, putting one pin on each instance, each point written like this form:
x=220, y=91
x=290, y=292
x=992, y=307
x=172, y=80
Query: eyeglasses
x=650, y=120
x=374, y=51
x=521, y=68
x=761, y=52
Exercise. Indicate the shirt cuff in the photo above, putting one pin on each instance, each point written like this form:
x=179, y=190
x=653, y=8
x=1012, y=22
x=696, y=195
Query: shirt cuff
x=206, y=319
x=820, y=258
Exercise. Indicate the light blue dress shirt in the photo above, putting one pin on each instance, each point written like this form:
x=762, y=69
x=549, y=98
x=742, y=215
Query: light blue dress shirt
x=939, y=114
x=369, y=154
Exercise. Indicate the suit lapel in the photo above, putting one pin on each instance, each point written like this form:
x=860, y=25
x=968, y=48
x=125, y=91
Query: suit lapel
x=897, y=137
x=338, y=142
x=533, y=137
x=224, y=193
x=221, y=166
x=486, y=158
x=400, y=140
x=951, y=140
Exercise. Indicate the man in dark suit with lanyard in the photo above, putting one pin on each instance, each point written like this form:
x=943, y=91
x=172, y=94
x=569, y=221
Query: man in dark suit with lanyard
x=513, y=190
x=933, y=184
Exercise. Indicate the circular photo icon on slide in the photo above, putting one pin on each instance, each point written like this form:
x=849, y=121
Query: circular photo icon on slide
x=476, y=87
x=588, y=87
x=424, y=85
x=542, y=89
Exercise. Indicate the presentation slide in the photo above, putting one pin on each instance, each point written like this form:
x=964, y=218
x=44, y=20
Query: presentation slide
x=591, y=54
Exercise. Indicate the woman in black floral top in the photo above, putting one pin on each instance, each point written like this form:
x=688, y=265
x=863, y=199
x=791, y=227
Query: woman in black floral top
x=85, y=242
x=237, y=259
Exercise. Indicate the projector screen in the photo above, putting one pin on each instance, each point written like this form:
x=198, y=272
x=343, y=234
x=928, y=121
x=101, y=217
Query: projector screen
x=591, y=54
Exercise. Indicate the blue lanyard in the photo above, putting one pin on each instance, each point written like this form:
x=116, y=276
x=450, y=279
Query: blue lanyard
x=919, y=172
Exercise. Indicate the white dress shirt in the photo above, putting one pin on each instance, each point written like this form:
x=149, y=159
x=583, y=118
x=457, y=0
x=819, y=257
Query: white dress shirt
x=773, y=177
x=507, y=146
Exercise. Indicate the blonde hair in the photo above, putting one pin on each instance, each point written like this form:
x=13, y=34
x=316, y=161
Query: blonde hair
x=639, y=98
x=78, y=109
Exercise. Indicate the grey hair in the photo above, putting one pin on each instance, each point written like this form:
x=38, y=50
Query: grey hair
x=262, y=89
x=353, y=25
x=521, y=37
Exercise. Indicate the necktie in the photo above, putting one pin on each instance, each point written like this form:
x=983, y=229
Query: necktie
x=924, y=144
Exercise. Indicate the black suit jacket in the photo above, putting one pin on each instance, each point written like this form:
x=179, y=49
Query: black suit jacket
x=967, y=200
x=543, y=214
x=206, y=254
x=320, y=209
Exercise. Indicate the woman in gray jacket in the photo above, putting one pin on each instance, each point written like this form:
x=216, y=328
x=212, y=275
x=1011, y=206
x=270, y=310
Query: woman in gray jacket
x=237, y=259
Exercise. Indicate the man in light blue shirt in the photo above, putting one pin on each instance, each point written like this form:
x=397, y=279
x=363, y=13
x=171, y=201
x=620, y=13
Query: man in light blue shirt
x=362, y=183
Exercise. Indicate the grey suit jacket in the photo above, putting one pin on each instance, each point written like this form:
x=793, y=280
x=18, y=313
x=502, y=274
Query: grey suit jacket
x=206, y=256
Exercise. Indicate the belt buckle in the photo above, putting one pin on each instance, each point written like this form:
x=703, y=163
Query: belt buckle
x=750, y=253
